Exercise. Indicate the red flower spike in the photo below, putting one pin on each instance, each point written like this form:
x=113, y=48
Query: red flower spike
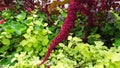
x=66, y=28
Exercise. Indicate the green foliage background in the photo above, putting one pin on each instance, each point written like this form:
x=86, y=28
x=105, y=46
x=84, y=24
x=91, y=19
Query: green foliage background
x=24, y=39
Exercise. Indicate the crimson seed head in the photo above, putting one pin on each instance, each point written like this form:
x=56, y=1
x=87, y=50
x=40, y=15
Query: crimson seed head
x=65, y=30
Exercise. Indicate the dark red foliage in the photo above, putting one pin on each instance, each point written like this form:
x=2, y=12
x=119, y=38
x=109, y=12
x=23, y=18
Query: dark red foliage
x=29, y=5
x=8, y=2
x=44, y=8
x=2, y=5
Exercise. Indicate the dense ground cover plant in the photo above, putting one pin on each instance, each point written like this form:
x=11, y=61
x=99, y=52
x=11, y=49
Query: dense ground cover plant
x=23, y=33
x=78, y=54
x=71, y=51
x=73, y=54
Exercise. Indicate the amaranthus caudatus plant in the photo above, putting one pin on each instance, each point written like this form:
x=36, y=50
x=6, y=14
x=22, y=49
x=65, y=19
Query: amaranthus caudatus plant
x=66, y=27
x=89, y=8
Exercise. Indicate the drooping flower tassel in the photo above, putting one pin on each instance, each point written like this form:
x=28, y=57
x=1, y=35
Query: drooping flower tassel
x=66, y=28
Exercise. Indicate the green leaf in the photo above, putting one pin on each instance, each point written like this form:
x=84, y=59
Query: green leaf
x=76, y=39
x=116, y=57
x=61, y=44
x=42, y=66
x=6, y=41
x=35, y=45
x=32, y=39
x=5, y=47
x=40, y=37
x=26, y=36
x=2, y=50
x=10, y=29
x=108, y=56
x=37, y=23
x=111, y=65
x=29, y=18
x=117, y=64
x=27, y=48
x=9, y=36
x=45, y=41
x=29, y=45
x=21, y=16
x=19, y=49
x=24, y=42
x=44, y=32
x=100, y=65
x=99, y=43
x=70, y=44
x=29, y=29
x=69, y=37
x=117, y=42
x=6, y=14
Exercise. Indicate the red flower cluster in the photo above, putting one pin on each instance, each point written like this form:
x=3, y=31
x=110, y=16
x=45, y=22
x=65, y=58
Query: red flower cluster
x=2, y=21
